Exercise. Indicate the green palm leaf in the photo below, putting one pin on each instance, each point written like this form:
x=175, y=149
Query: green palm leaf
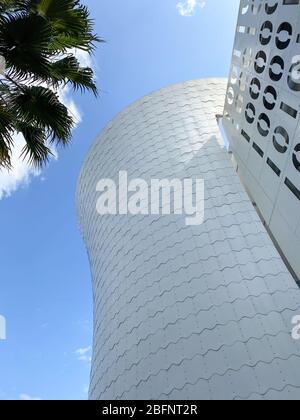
x=24, y=45
x=68, y=70
x=36, y=37
x=40, y=107
x=6, y=130
x=12, y=5
x=70, y=23
x=35, y=151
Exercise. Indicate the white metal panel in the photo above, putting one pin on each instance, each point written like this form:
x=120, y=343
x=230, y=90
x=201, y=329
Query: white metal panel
x=264, y=131
x=184, y=312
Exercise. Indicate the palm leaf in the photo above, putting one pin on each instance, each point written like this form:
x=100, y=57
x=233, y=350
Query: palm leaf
x=70, y=23
x=24, y=44
x=35, y=41
x=35, y=151
x=68, y=70
x=6, y=130
x=40, y=107
x=7, y=6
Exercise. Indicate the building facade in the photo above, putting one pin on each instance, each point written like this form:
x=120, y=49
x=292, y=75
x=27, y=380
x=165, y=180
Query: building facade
x=184, y=312
x=262, y=114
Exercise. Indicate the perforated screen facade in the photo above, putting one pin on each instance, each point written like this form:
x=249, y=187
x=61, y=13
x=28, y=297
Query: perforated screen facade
x=262, y=114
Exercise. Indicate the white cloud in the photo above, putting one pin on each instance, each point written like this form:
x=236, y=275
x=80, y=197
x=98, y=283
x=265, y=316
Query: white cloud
x=84, y=58
x=84, y=354
x=22, y=173
x=65, y=95
x=83, y=351
x=26, y=397
x=188, y=8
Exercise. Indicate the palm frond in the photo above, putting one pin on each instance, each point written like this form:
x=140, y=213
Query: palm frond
x=7, y=6
x=70, y=22
x=35, y=151
x=6, y=130
x=24, y=44
x=68, y=70
x=40, y=107
x=35, y=41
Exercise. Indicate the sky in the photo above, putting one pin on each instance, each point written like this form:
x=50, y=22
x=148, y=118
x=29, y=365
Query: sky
x=45, y=282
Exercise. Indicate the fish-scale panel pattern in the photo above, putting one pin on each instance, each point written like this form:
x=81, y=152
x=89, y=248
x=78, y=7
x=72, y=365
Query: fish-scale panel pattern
x=184, y=312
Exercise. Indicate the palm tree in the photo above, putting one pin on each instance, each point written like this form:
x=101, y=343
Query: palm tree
x=37, y=43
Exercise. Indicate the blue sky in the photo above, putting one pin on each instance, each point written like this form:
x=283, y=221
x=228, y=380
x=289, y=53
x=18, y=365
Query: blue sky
x=45, y=289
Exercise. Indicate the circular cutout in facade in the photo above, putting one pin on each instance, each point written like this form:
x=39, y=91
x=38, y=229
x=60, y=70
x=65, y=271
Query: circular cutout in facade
x=250, y=113
x=270, y=98
x=245, y=7
x=263, y=125
x=256, y=6
x=247, y=57
x=255, y=88
x=230, y=96
x=282, y=146
x=294, y=75
x=260, y=62
x=234, y=75
x=296, y=154
x=266, y=33
x=243, y=82
x=271, y=7
x=281, y=42
x=276, y=68
x=239, y=102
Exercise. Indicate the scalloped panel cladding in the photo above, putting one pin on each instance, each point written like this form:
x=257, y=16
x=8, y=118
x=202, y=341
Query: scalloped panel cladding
x=262, y=115
x=184, y=312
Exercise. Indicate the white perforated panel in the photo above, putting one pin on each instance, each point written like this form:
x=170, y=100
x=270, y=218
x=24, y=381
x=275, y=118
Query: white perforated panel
x=262, y=114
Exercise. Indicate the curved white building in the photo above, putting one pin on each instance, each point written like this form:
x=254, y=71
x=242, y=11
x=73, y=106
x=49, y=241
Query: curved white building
x=184, y=312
